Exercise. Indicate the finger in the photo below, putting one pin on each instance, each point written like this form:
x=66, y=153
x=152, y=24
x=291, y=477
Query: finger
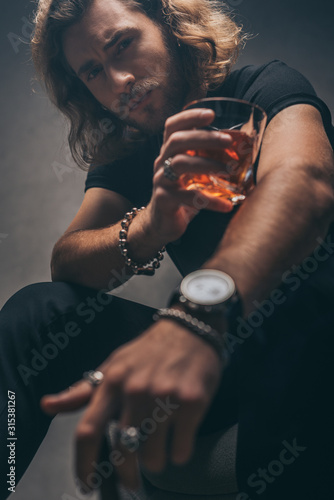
x=108, y=474
x=127, y=467
x=174, y=194
x=153, y=429
x=134, y=408
x=192, y=141
x=197, y=200
x=200, y=201
x=182, y=164
x=184, y=436
x=186, y=120
x=91, y=429
x=153, y=452
x=71, y=399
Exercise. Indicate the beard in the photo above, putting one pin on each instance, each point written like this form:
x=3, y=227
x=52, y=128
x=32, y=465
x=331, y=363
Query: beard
x=172, y=100
x=169, y=81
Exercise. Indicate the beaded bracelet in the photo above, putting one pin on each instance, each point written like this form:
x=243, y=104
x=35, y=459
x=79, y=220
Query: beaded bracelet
x=203, y=330
x=149, y=267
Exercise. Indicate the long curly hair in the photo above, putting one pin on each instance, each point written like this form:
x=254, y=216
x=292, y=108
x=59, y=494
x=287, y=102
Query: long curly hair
x=209, y=42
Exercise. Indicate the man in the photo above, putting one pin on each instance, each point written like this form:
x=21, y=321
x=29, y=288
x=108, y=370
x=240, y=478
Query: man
x=124, y=61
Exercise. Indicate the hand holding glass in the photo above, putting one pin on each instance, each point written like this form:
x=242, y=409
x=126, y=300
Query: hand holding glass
x=245, y=123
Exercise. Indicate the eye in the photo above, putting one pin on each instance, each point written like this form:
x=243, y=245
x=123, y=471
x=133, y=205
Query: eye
x=94, y=73
x=124, y=45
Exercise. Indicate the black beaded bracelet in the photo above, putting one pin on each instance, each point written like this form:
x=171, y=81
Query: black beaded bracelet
x=203, y=330
x=149, y=267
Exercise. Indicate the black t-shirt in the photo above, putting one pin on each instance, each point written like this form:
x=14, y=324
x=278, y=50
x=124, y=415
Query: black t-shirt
x=274, y=87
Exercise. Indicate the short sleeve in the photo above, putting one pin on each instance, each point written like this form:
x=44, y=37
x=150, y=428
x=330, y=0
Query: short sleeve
x=131, y=176
x=275, y=86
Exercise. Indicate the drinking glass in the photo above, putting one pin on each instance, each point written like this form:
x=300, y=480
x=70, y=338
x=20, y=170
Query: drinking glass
x=245, y=123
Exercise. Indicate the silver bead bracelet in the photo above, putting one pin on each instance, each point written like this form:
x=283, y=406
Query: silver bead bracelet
x=203, y=330
x=147, y=268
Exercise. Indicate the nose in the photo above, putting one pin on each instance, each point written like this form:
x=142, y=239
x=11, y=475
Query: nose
x=121, y=80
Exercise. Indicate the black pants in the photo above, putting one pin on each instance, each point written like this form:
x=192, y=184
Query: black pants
x=278, y=385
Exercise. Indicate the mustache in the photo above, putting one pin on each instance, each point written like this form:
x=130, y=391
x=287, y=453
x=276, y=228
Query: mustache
x=138, y=90
x=120, y=106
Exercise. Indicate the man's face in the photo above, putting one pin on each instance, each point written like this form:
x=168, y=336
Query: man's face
x=123, y=59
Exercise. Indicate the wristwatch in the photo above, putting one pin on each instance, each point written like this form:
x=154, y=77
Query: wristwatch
x=209, y=291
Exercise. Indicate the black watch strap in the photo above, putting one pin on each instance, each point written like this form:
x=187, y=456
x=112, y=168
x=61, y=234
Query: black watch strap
x=233, y=311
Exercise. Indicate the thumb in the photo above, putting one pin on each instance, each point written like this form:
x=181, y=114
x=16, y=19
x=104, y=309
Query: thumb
x=73, y=398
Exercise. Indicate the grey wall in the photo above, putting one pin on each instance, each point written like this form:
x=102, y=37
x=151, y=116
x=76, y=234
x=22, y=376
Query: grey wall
x=37, y=201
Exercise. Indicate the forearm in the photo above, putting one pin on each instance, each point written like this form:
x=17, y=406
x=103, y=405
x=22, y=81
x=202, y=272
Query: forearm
x=276, y=228
x=92, y=257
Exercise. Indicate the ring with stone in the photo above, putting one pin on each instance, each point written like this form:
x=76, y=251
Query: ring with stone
x=93, y=377
x=128, y=436
x=169, y=172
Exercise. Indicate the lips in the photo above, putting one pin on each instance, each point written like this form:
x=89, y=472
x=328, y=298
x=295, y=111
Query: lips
x=135, y=103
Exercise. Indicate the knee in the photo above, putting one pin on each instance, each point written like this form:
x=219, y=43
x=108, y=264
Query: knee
x=48, y=298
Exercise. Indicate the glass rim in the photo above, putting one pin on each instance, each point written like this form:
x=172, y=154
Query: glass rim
x=229, y=99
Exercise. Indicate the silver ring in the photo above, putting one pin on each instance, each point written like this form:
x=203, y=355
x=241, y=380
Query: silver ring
x=93, y=377
x=128, y=436
x=169, y=172
x=113, y=433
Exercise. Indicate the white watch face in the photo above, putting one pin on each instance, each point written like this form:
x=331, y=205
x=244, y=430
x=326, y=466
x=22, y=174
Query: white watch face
x=206, y=287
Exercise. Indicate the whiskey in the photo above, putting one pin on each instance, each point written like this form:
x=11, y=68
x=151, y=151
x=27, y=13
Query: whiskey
x=235, y=179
